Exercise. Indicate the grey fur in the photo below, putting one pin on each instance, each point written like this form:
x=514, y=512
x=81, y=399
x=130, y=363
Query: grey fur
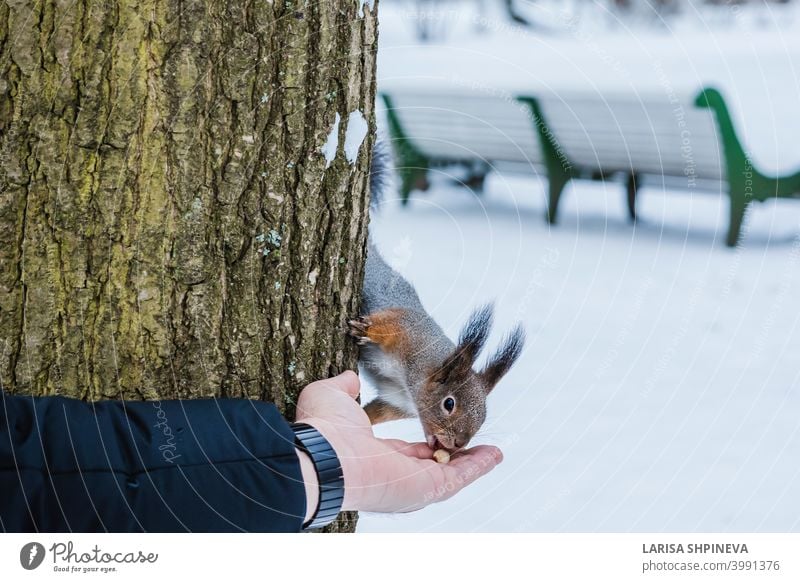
x=385, y=288
x=428, y=369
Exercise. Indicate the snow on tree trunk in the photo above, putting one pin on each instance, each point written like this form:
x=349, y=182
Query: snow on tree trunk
x=169, y=223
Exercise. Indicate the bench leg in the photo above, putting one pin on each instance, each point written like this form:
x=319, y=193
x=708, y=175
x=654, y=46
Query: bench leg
x=476, y=177
x=413, y=179
x=738, y=208
x=411, y=165
x=475, y=183
x=556, y=186
x=632, y=188
x=559, y=168
x=514, y=15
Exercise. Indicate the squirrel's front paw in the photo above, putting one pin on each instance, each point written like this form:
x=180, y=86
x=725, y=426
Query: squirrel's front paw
x=358, y=328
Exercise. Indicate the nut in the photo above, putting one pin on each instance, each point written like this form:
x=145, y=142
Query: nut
x=441, y=456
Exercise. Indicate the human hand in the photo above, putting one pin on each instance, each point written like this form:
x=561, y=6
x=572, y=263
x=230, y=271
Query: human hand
x=384, y=475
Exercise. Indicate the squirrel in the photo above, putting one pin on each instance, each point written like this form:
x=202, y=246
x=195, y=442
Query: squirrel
x=417, y=370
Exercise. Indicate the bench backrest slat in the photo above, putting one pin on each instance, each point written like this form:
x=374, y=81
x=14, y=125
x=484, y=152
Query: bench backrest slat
x=647, y=134
x=451, y=127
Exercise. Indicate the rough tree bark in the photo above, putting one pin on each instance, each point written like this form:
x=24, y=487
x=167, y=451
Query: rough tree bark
x=169, y=225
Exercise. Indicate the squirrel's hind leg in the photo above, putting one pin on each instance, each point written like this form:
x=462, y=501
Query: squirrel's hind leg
x=381, y=411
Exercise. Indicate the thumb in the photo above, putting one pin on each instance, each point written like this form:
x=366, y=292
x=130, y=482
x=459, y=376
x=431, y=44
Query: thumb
x=346, y=382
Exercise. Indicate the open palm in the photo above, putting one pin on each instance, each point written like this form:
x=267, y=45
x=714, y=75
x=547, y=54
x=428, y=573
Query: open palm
x=384, y=475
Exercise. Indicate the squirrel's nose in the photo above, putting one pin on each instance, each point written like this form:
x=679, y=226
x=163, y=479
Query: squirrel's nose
x=461, y=440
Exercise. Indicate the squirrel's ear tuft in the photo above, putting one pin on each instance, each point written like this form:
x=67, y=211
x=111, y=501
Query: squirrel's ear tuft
x=505, y=356
x=474, y=333
x=470, y=342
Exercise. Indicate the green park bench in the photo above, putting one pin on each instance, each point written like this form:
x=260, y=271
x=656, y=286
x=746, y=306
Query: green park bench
x=661, y=139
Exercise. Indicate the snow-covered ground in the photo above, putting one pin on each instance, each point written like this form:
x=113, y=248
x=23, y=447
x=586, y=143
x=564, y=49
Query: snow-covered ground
x=660, y=386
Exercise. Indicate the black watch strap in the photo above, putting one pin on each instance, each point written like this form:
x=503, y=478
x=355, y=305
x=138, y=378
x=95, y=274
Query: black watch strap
x=329, y=473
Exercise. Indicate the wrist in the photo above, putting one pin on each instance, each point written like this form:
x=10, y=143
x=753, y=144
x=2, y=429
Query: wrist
x=351, y=465
x=329, y=476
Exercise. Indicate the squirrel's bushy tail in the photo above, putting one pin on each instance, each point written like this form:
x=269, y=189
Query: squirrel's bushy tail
x=380, y=176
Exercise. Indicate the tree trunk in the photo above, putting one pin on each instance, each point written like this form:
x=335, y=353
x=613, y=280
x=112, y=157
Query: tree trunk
x=170, y=224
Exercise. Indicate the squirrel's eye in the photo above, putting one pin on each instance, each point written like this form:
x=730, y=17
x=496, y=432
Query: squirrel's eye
x=449, y=404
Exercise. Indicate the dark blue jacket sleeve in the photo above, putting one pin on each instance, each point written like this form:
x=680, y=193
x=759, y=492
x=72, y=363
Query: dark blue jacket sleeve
x=192, y=465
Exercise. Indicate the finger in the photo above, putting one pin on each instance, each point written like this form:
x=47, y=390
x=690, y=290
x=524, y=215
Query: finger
x=485, y=455
x=448, y=479
x=479, y=452
x=313, y=398
x=346, y=382
x=468, y=466
x=414, y=450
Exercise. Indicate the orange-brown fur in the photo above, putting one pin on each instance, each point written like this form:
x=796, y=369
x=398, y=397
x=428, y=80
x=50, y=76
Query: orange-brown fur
x=380, y=411
x=386, y=329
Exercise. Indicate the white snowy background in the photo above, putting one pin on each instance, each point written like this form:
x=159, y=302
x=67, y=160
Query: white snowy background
x=658, y=390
